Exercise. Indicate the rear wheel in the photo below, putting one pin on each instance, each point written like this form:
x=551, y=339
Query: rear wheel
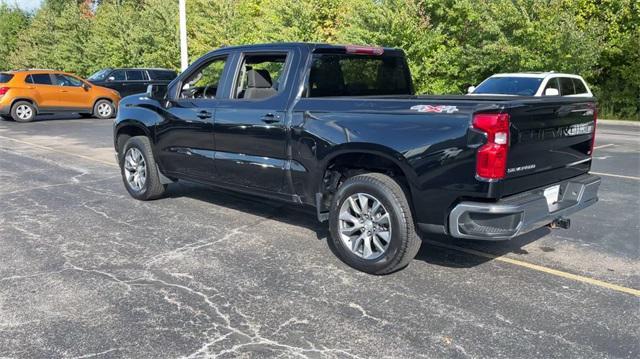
x=371, y=224
x=104, y=109
x=139, y=171
x=23, y=111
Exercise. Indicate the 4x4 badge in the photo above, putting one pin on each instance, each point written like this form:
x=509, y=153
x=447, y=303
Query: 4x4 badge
x=435, y=109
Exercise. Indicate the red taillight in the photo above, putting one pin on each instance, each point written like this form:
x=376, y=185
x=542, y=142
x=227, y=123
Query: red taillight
x=3, y=90
x=364, y=50
x=595, y=122
x=491, y=160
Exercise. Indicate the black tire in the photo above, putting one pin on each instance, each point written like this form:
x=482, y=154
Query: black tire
x=404, y=241
x=152, y=188
x=104, y=109
x=18, y=111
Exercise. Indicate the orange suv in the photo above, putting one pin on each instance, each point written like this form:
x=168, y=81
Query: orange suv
x=24, y=94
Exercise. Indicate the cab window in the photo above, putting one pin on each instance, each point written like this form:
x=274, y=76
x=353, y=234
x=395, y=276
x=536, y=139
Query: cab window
x=135, y=75
x=203, y=84
x=566, y=87
x=39, y=79
x=117, y=75
x=260, y=76
x=64, y=80
x=552, y=84
x=579, y=86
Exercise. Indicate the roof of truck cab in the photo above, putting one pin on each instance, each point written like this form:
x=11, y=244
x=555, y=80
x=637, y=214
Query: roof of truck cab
x=307, y=45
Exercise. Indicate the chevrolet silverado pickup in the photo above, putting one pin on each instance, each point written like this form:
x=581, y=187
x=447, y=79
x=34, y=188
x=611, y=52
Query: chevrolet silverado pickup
x=339, y=129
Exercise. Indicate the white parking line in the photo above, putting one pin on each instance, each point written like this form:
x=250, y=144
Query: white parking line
x=617, y=176
x=603, y=146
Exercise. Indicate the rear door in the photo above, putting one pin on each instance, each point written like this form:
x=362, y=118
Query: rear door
x=551, y=140
x=137, y=81
x=250, y=129
x=44, y=92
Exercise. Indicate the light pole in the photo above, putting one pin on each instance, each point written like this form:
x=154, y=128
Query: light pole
x=184, y=55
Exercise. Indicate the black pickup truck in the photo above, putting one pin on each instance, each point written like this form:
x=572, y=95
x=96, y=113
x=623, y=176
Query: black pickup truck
x=339, y=129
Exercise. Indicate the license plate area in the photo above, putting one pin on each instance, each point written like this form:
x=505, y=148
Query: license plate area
x=552, y=194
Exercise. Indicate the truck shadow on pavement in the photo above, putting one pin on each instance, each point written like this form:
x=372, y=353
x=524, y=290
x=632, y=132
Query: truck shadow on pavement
x=305, y=217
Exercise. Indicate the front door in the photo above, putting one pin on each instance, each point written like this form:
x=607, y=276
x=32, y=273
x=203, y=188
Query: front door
x=185, y=139
x=250, y=130
x=72, y=94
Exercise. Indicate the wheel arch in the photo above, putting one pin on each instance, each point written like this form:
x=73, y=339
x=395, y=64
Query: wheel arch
x=95, y=102
x=352, y=159
x=127, y=129
x=25, y=99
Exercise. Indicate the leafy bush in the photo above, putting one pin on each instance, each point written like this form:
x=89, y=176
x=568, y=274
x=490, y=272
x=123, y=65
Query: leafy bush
x=450, y=44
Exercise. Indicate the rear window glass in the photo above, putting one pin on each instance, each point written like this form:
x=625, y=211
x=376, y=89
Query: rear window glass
x=162, y=75
x=358, y=75
x=4, y=78
x=40, y=79
x=135, y=75
x=517, y=86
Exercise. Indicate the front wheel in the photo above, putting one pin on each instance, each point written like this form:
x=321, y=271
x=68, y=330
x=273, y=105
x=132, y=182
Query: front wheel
x=104, y=109
x=139, y=171
x=371, y=224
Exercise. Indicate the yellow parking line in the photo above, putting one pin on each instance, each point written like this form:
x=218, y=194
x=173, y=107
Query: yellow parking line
x=617, y=176
x=61, y=151
x=604, y=146
x=538, y=268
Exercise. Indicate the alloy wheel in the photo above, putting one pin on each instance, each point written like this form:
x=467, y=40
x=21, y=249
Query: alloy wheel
x=24, y=112
x=365, y=226
x=135, y=169
x=104, y=110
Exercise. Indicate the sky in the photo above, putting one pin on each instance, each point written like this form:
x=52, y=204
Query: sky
x=24, y=4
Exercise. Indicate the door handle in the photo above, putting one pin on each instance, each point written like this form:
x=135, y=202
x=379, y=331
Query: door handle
x=204, y=114
x=270, y=118
x=64, y=91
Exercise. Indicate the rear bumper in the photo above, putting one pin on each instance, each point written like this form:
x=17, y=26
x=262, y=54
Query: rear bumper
x=515, y=215
x=5, y=110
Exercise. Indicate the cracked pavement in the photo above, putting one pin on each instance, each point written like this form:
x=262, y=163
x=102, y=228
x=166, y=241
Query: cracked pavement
x=88, y=272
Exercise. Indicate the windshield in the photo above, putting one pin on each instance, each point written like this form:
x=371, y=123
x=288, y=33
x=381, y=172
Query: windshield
x=518, y=86
x=100, y=75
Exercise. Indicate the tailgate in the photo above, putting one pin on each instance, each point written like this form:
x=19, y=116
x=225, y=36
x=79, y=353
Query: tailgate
x=551, y=140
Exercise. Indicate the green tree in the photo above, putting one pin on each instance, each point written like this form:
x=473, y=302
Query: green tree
x=55, y=39
x=133, y=34
x=12, y=22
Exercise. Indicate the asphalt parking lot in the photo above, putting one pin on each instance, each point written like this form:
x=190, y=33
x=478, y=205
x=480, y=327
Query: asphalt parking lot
x=86, y=271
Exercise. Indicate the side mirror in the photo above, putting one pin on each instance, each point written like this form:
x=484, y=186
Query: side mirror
x=86, y=87
x=111, y=78
x=470, y=89
x=156, y=91
x=551, y=92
